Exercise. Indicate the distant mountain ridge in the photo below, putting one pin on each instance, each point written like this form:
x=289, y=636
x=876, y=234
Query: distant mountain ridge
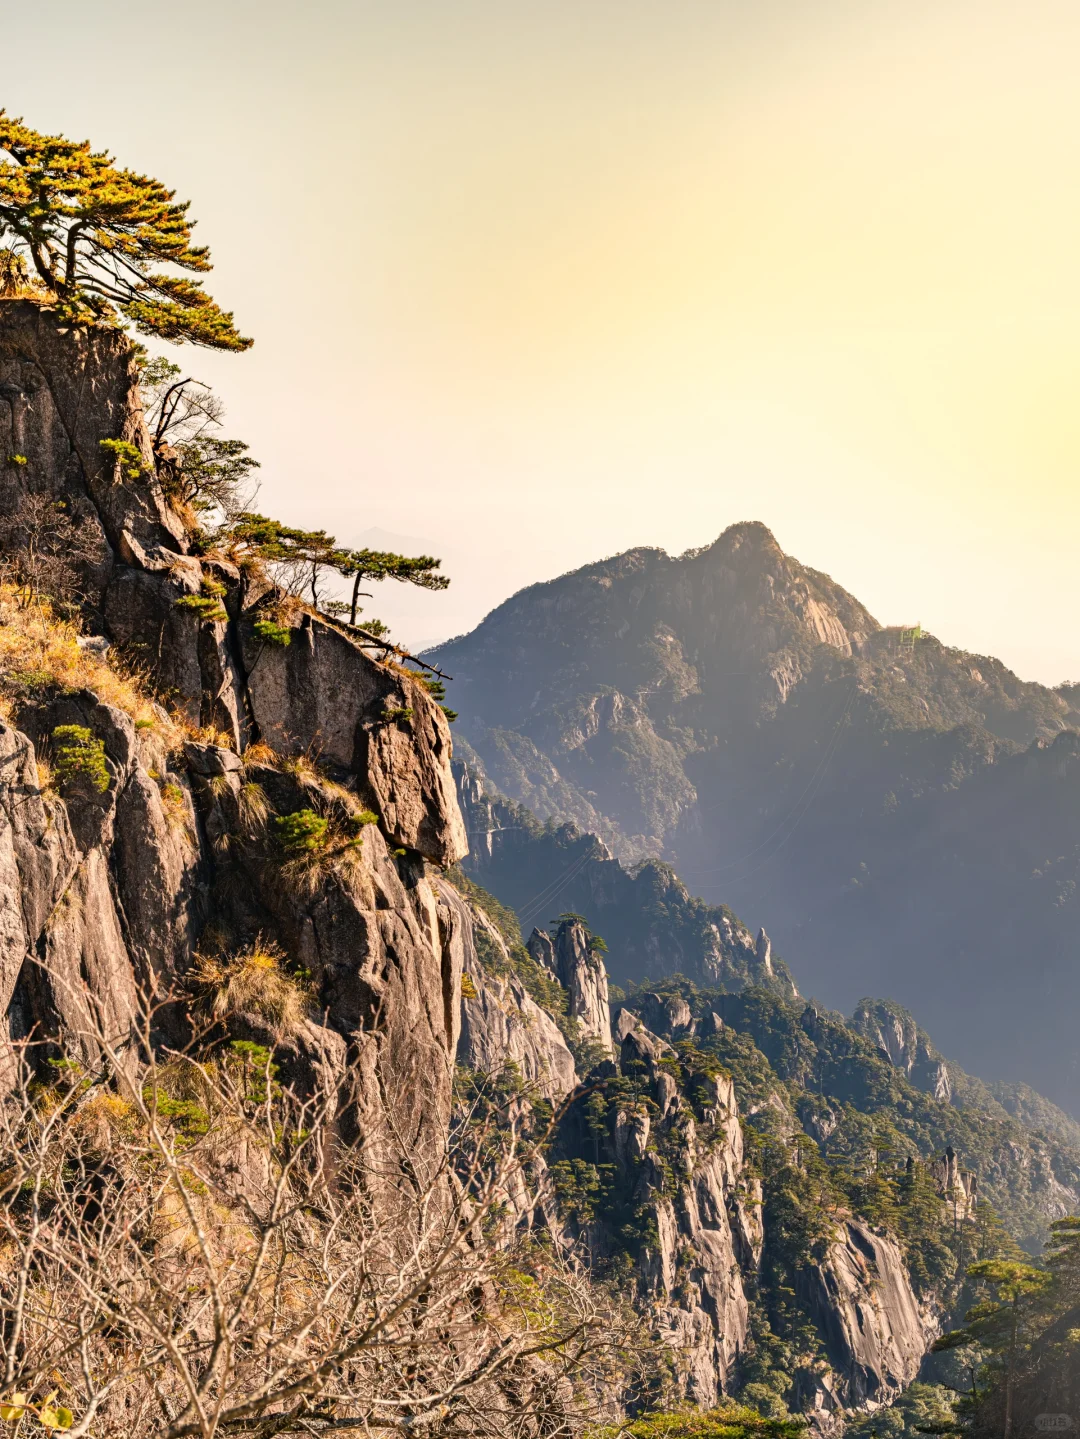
x=903, y=817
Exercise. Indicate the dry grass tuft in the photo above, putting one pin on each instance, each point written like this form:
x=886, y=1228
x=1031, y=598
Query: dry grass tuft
x=262, y=754
x=253, y=806
x=46, y=779
x=39, y=651
x=302, y=768
x=175, y=805
x=254, y=982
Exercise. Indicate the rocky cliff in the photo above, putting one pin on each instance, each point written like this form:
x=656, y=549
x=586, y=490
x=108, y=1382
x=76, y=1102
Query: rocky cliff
x=109, y=893
x=150, y=890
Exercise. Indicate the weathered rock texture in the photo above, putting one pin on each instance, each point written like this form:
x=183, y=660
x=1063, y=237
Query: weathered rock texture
x=502, y=1024
x=104, y=898
x=905, y=1045
x=875, y=1334
x=62, y=392
x=582, y=974
x=101, y=896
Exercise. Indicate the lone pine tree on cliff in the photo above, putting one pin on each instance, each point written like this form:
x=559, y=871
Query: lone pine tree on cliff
x=90, y=239
x=94, y=238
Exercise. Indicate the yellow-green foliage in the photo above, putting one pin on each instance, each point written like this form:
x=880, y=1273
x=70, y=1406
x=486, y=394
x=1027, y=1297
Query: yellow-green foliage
x=56, y=190
x=79, y=758
x=730, y=1421
x=302, y=832
x=206, y=604
x=272, y=633
x=126, y=456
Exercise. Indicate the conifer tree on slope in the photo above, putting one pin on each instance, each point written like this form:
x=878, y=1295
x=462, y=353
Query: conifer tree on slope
x=93, y=237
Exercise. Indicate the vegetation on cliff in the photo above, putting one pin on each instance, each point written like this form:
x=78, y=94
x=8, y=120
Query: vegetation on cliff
x=93, y=236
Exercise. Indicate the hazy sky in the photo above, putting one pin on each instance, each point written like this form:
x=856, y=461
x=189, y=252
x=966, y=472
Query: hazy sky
x=533, y=283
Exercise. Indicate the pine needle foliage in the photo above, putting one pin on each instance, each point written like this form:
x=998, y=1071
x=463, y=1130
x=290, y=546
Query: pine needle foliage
x=95, y=235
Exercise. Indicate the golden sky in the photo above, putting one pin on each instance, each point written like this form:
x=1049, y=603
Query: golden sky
x=533, y=283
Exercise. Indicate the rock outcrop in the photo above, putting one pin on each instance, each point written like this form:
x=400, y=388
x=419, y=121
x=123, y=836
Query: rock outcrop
x=904, y=1045
x=104, y=898
x=698, y=1213
x=581, y=972
x=652, y=925
x=501, y=1023
x=63, y=391
x=875, y=1334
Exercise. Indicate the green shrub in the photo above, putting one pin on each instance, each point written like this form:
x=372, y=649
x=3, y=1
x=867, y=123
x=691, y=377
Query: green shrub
x=272, y=633
x=358, y=822
x=437, y=690
x=79, y=756
x=205, y=606
x=729, y=1421
x=127, y=456
x=18, y=460
x=391, y=715
x=207, y=603
x=302, y=832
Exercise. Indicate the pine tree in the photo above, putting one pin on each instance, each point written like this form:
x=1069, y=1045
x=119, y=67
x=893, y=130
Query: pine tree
x=95, y=236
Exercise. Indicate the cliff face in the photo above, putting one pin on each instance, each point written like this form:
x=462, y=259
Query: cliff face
x=660, y=1135
x=876, y=1336
x=104, y=898
x=109, y=897
x=581, y=972
x=904, y=1044
x=501, y=1023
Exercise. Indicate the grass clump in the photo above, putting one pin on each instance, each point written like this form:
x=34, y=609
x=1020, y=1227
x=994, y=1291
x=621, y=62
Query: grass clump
x=254, y=981
x=39, y=651
x=253, y=806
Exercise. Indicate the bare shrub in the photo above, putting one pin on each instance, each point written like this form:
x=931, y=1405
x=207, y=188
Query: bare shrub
x=46, y=552
x=189, y=1249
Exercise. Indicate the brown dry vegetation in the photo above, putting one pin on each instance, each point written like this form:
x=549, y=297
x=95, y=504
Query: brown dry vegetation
x=39, y=650
x=187, y=1250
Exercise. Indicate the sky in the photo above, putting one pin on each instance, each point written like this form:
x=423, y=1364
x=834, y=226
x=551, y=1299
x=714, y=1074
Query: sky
x=534, y=283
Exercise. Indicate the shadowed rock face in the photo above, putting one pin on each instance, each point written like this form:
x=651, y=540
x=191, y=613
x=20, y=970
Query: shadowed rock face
x=110, y=886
